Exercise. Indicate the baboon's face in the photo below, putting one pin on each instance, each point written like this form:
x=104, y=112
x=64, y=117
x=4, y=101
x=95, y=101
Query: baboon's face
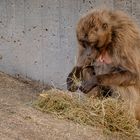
x=94, y=34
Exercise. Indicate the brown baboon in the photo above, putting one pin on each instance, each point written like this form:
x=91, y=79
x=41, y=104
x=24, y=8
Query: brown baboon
x=111, y=37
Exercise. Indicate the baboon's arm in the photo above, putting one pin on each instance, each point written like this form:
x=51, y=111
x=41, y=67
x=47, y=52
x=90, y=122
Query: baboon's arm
x=123, y=78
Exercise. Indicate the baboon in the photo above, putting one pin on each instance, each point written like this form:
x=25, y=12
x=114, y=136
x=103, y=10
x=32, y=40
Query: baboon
x=111, y=37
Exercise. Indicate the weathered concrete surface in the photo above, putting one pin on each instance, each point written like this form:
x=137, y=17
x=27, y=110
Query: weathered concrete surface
x=37, y=37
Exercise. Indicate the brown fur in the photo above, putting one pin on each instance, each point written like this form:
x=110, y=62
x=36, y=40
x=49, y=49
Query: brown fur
x=99, y=91
x=115, y=33
x=84, y=74
x=90, y=33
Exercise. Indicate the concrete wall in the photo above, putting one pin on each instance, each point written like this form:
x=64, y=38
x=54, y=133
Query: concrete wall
x=37, y=37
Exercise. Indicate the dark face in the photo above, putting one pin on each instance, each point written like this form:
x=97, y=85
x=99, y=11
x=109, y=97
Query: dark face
x=87, y=55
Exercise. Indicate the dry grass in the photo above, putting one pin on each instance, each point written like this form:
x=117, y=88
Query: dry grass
x=109, y=114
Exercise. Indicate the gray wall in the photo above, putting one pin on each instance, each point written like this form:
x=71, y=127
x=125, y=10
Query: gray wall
x=37, y=37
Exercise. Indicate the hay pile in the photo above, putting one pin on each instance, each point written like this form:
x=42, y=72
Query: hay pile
x=109, y=114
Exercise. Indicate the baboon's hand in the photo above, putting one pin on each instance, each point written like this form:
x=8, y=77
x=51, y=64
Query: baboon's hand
x=71, y=84
x=88, y=85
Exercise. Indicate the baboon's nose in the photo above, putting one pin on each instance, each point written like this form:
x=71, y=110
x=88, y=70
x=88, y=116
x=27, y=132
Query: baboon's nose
x=88, y=52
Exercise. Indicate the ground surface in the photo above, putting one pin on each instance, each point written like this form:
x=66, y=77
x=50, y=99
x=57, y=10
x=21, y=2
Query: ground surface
x=20, y=121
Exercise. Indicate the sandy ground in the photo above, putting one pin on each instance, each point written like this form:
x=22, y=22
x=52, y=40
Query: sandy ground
x=20, y=121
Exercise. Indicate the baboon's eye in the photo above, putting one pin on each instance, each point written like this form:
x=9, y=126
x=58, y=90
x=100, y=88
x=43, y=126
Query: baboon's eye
x=105, y=26
x=95, y=45
x=83, y=43
x=97, y=48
